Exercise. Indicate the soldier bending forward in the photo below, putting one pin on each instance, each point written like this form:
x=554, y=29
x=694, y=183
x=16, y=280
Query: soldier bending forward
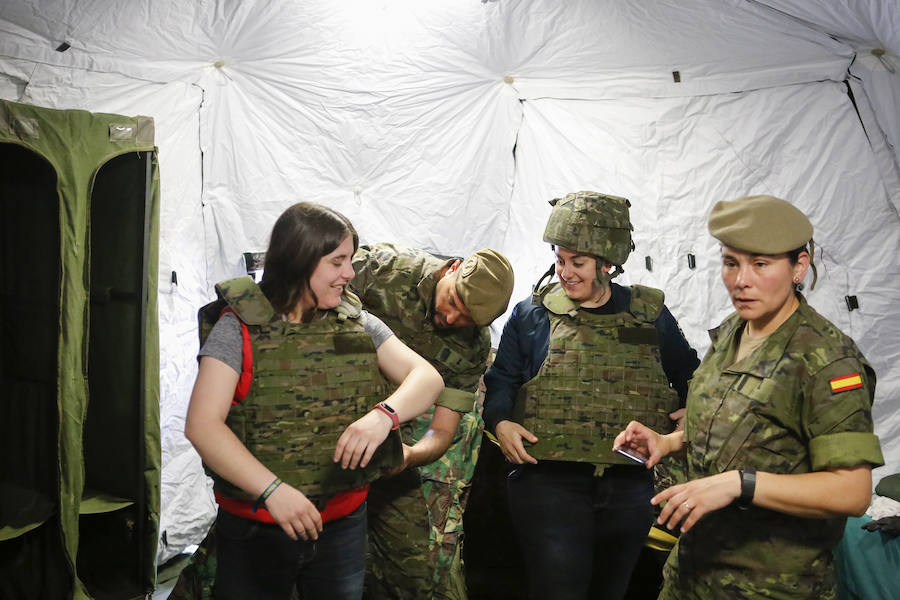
x=441, y=309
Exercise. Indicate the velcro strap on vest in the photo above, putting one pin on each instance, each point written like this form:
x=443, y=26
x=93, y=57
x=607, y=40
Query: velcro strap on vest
x=646, y=336
x=456, y=400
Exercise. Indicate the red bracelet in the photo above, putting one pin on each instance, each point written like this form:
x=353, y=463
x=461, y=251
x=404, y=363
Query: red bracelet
x=386, y=409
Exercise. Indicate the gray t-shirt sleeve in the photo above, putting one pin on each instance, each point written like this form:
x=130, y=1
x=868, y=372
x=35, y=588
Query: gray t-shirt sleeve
x=376, y=328
x=225, y=342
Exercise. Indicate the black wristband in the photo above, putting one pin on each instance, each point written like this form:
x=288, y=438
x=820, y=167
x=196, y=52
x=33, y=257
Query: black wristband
x=266, y=493
x=748, y=487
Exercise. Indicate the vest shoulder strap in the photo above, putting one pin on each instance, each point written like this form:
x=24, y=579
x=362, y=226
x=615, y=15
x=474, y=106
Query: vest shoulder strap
x=646, y=303
x=554, y=299
x=246, y=299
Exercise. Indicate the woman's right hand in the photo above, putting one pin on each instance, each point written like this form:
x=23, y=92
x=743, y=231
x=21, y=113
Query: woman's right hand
x=294, y=512
x=510, y=435
x=640, y=439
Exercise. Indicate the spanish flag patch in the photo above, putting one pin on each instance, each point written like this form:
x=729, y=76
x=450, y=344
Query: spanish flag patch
x=847, y=382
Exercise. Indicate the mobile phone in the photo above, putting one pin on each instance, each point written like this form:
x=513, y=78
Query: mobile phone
x=633, y=457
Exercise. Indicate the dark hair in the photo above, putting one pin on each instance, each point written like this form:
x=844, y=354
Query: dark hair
x=301, y=236
x=794, y=255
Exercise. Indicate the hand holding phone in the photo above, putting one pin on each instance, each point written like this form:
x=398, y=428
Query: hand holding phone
x=634, y=457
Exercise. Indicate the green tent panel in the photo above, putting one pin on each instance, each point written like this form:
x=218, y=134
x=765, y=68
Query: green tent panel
x=79, y=415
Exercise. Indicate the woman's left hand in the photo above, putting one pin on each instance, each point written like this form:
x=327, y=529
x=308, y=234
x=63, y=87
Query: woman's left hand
x=687, y=502
x=362, y=437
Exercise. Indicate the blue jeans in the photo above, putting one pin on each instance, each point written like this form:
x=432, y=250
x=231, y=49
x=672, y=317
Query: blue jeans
x=580, y=535
x=259, y=560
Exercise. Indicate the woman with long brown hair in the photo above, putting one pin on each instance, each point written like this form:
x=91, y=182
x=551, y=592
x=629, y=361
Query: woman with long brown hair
x=290, y=413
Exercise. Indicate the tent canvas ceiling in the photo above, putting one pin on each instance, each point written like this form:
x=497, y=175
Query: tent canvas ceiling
x=448, y=125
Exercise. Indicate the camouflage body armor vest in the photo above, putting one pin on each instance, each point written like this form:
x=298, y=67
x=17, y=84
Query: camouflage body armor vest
x=310, y=381
x=601, y=372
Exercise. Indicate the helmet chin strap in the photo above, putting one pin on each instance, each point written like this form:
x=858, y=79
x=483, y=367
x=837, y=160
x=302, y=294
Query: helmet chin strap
x=603, y=278
x=535, y=291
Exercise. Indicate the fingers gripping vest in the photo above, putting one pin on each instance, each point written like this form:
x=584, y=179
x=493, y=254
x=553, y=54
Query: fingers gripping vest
x=310, y=381
x=601, y=372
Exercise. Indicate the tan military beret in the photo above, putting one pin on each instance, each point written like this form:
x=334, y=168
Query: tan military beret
x=484, y=283
x=760, y=224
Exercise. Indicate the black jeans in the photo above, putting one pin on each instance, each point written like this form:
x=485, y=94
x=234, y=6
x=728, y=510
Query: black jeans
x=259, y=560
x=580, y=535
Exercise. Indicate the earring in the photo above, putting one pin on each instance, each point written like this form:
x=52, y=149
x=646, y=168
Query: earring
x=796, y=280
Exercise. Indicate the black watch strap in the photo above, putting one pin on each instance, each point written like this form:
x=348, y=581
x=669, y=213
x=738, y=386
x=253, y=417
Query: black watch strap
x=748, y=487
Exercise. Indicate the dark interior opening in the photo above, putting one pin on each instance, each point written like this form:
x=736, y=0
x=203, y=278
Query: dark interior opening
x=29, y=420
x=110, y=556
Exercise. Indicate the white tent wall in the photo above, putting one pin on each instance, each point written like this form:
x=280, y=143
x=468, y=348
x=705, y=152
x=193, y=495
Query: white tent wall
x=872, y=29
x=674, y=158
x=448, y=125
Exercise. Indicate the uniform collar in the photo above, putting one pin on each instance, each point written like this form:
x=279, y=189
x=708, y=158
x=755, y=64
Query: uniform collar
x=771, y=350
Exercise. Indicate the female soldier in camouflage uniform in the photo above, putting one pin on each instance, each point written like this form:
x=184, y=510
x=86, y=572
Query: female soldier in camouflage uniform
x=778, y=429
x=282, y=415
x=575, y=364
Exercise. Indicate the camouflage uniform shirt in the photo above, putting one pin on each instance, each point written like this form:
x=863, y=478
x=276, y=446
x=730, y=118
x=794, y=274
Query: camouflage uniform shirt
x=397, y=284
x=801, y=402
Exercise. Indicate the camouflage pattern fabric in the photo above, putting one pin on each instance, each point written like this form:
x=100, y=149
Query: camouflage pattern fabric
x=777, y=410
x=591, y=223
x=397, y=284
x=601, y=372
x=196, y=580
x=399, y=540
x=310, y=381
x=445, y=485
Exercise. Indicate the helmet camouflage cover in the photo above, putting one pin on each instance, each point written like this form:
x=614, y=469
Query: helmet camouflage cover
x=591, y=223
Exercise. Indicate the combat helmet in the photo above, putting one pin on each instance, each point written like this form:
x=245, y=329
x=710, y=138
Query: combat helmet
x=591, y=223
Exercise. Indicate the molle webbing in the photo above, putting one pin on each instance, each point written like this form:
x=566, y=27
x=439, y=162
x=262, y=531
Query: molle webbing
x=601, y=372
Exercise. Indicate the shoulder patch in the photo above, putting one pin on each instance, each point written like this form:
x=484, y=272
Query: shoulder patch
x=847, y=382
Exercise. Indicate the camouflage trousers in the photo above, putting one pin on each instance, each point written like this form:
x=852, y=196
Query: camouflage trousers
x=416, y=523
x=196, y=580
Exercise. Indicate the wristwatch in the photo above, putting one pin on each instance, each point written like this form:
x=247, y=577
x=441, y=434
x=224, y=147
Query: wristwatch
x=386, y=409
x=748, y=487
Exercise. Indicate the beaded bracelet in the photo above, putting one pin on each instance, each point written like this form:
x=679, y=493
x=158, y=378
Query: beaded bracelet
x=266, y=493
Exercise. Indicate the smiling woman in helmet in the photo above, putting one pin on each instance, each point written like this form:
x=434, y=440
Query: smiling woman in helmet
x=576, y=362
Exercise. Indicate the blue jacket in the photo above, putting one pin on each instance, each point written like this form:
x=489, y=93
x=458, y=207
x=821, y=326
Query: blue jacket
x=526, y=338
